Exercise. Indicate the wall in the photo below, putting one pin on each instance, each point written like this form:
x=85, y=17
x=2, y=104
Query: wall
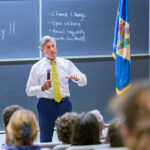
x=96, y=95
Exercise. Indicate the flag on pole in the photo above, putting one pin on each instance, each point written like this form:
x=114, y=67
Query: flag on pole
x=121, y=48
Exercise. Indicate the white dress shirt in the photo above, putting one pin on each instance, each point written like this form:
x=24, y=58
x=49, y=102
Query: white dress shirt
x=38, y=75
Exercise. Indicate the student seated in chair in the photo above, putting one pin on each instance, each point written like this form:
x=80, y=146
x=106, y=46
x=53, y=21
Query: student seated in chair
x=86, y=130
x=100, y=120
x=7, y=113
x=114, y=137
x=64, y=125
x=22, y=130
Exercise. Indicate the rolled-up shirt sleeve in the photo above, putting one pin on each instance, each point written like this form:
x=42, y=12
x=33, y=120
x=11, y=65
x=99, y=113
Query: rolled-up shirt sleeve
x=75, y=71
x=82, y=80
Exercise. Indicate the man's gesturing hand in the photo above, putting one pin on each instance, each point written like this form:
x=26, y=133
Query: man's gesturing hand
x=74, y=77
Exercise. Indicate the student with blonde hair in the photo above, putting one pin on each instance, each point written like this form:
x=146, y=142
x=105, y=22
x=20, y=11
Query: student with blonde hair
x=22, y=130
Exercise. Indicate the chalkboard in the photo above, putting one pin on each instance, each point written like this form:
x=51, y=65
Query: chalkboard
x=86, y=27
x=19, y=28
x=81, y=27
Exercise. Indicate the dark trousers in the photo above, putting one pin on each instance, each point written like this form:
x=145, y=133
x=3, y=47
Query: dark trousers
x=48, y=111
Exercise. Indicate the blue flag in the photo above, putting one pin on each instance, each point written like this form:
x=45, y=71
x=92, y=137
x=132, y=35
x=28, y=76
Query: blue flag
x=121, y=48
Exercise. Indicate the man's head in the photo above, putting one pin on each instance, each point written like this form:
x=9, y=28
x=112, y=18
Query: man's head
x=64, y=126
x=48, y=47
x=7, y=113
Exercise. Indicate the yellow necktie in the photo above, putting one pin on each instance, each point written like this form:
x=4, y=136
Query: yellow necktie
x=55, y=82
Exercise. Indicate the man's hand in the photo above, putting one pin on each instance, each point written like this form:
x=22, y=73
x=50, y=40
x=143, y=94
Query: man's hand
x=74, y=77
x=46, y=85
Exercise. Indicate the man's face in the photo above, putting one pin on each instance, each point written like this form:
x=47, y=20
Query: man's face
x=49, y=50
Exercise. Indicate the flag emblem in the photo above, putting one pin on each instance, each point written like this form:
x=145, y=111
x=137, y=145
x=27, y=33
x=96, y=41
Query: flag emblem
x=123, y=42
x=121, y=48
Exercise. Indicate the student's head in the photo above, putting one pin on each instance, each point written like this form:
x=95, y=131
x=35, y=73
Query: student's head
x=141, y=139
x=8, y=112
x=134, y=107
x=85, y=130
x=99, y=118
x=114, y=134
x=48, y=47
x=64, y=126
x=22, y=128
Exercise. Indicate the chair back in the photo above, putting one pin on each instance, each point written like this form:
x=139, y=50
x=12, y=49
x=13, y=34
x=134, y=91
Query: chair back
x=112, y=148
x=61, y=147
x=84, y=147
x=48, y=144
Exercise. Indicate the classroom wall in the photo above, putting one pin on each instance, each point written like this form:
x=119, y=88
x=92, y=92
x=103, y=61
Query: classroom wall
x=96, y=95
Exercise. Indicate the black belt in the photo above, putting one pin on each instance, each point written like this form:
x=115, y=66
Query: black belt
x=63, y=99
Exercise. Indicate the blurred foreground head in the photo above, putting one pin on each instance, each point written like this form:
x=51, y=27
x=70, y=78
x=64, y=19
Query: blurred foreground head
x=133, y=108
x=22, y=128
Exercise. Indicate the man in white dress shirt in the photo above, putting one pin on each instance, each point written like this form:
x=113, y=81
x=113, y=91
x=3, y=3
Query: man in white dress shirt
x=38, y=85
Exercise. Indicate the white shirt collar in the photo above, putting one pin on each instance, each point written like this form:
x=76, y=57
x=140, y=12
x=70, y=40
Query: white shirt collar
x=48, y=61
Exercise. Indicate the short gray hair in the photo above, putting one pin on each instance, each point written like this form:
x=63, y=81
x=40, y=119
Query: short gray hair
x=46, y=39
x=98, y=116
